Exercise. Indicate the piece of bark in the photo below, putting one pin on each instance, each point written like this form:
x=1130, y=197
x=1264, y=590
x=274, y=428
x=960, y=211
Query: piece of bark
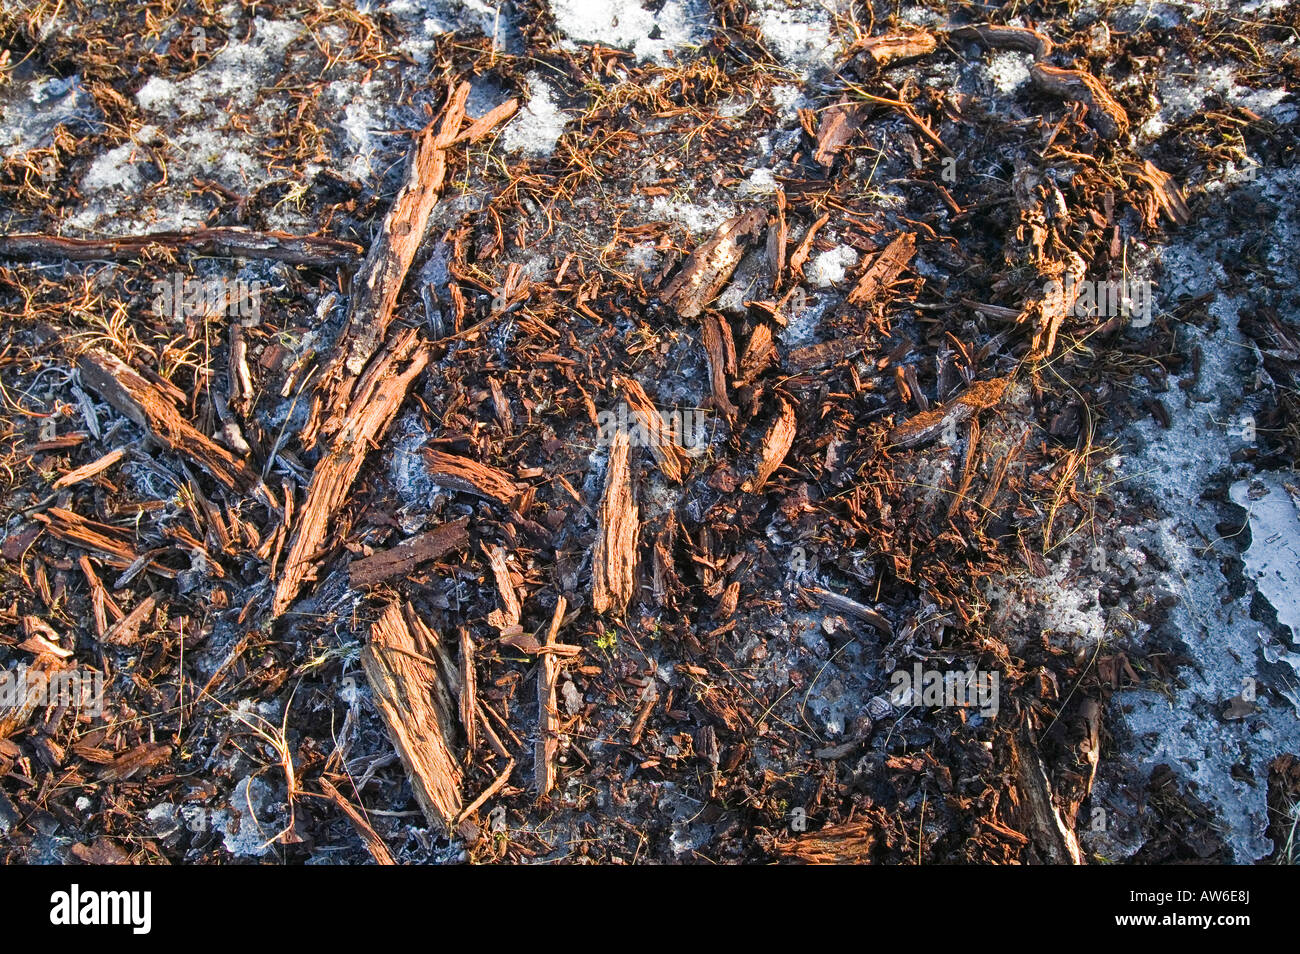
x=470, y=477
x=893, y=47
x=227, y=242
x=379, y=280
x=925, y=427
x=369, y=837
x=108, y=541
x=468, y=689
x=715, y=337
x=86, y=471
x=614, y=557
x=1166, y=197
x=1061, y=282
x=548, y=716
x=710, y=266
x=140, y=400
x=402, y=670
x=776, y=444
x=826, y=353
x=846, y=844
x=379, y=393
x=844, y=604
x=883, y=271
x=1104, y=113
x=778, y=234
x=505, y=618
x=1048, y=829
x=839, y=124
x=1006, y=38
x=760, y=352
x=801, y=253
x=126, y=629
x=409, y=554
x=673, y=460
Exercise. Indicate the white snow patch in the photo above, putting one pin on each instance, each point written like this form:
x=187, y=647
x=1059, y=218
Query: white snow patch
x=1273, y=560
x=829, y=268
x=538, y=126
x=627, y=24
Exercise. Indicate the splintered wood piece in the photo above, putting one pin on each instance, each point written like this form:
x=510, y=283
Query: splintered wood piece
x=928, y=425
x=470, y=477
x=759, y=353
x=548, y=717
x=407, y=555
x=826, y=353
x=507, y=617
x=673, y=460
x=379, y=393
x=776, y=444
x=106, y=540
x=140, y=400
x=468, y=689
x=369, y=837
x=778, y=234
x=378, y=281
x=226, y=242
x=883, y=271
x=715, y=338
x=892, y=47
x=801, y=253
x=839, y=124
x=1166, y=197
x=1049, y=830
x=1105, y=114
x=402, y=670
x=86, y=471
x=845, y=844
x=614, y=557
x=844, y=604
x=1006, y=38
x=710, y=266
x=126, y=629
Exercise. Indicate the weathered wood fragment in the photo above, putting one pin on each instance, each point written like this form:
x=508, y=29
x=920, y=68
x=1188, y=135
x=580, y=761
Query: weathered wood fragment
x=470, y=477
x=506, y=617
x=409, y=554
x=826, y=353
x=716, y=337
x=673, y=460
x=776, y=444
x=369, y=837
x=883, y=271
x=844, y=604
x=614, y=556
x=142, y=401
x=1047, y=828
x=928, y=425
x=838, y=125
x=402, y=669
x=379, y=393
x=548, y=716
x=710, y=266
x=86, y=471
x=1006, y=38
x=894, y=47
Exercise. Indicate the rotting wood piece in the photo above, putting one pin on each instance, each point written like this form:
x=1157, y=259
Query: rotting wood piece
x=402, y=668
x=776, y=444
x=928, y=425
x=379, y=393
x=883, y=271
x=131, y=394
x=826, y=353
x=228, y=242
x=470, y=477
x=892, y=47
x=506, y=618
x=673, y=460
x=614, y=556
x=1105, y=114
x=407, y=555
x=838, y=125
x=849, y=843
x=548, y=716
x=379, y=280
x=709, y=267
x=1049, y=831
x=1166, y=197
x=104, y=539
x=718, y=345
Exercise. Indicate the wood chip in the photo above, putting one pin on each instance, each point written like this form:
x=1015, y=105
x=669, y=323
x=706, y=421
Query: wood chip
x=470, y=477
x=710, y=266
x=776, y=444
x=548, y=716
x=614, y=556
x=403, y=558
